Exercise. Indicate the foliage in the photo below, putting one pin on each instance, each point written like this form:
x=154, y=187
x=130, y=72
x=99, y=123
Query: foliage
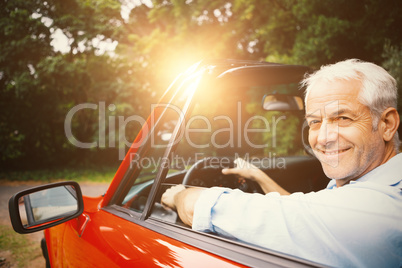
x=393, y=63
x=40, y=85
x=314, y=32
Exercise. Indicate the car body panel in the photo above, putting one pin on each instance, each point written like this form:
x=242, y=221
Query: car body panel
x=110, y=241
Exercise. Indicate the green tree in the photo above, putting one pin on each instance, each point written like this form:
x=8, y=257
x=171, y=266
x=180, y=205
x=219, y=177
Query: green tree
x=393, y=63
x=24, y=42
x=39, y=85
x=291, y=31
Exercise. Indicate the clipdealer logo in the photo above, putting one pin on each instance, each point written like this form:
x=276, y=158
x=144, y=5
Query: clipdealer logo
x=114, y=136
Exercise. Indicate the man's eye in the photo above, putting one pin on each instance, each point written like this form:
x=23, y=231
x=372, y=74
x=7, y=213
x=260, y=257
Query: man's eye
x=314, y=123
x=343, y=120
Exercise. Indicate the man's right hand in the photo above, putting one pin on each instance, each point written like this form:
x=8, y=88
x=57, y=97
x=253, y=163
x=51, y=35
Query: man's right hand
x=247, y=170
x=168, y=197
x=183, y=200
x=243, y=169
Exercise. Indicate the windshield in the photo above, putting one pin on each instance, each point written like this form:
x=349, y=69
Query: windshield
x=231, y=122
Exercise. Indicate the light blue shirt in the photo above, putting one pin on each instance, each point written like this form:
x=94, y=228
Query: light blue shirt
x=357, y=225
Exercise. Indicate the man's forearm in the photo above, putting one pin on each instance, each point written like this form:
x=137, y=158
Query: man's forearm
x=185, y=203
x=267, y=184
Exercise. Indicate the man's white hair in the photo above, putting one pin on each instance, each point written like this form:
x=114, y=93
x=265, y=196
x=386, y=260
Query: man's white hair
x=378, y=92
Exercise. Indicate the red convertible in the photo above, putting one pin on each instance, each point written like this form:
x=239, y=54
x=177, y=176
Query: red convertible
x=213, y=113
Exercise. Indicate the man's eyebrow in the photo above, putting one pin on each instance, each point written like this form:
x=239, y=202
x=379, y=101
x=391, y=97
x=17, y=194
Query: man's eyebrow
x=333, y=114
x=312, y=116
x=340, y=112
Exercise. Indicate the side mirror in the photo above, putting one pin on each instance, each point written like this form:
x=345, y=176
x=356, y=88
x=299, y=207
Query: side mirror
x=278, y=102
x=45, y=206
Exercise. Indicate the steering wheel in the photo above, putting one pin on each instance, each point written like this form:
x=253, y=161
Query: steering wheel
x=201, y=164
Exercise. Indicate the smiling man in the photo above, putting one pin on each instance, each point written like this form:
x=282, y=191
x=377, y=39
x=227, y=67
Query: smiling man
x=347, y=134
x=357, y=220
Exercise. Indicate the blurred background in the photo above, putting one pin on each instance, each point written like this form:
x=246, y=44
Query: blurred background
x=121, y=55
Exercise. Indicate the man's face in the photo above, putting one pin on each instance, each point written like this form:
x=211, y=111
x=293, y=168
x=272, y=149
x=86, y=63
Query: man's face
x=341, y=133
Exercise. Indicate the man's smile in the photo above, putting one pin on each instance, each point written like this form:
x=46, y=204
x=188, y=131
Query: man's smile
x=333, y=152
x=330, y=155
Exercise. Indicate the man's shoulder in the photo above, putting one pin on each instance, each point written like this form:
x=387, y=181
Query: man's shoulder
x=387, y=174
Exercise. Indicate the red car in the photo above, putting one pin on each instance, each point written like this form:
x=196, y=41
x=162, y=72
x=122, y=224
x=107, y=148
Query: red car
x=213, y=113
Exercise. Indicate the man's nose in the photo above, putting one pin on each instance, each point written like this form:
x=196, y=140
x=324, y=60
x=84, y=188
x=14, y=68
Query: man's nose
x=328, y=133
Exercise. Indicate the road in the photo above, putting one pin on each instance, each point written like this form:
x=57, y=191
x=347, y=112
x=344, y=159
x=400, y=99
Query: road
x=7, y=189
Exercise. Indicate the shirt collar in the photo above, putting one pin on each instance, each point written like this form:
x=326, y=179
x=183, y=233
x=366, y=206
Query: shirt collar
x=389, y=173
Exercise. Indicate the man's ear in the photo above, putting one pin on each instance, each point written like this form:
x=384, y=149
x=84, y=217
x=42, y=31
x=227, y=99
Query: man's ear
x=389, y=123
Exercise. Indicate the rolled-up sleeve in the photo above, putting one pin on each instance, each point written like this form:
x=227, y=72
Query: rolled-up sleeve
x=230, y=212
x=202, y=220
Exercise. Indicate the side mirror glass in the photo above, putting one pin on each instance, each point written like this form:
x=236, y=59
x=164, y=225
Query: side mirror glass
x=45, y=206
x=278, y=102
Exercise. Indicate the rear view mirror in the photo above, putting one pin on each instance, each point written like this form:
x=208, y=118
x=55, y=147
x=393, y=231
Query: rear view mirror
x=45, y=206
x=278, y=102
